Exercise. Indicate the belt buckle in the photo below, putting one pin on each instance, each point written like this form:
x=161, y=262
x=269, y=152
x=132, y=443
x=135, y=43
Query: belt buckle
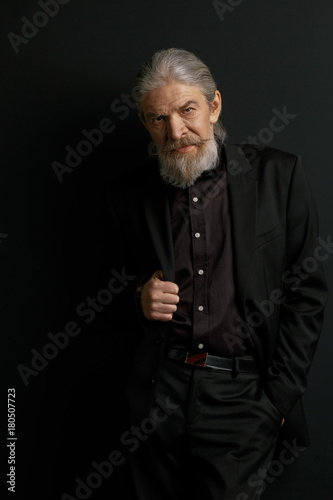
x=197, y=359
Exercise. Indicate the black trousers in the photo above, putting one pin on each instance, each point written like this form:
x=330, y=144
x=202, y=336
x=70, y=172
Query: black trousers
x=212, y=437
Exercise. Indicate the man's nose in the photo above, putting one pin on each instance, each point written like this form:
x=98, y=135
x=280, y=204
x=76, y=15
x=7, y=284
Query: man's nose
x=176, y=128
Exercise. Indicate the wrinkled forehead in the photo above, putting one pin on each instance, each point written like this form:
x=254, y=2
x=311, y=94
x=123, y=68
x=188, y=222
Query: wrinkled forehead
x=170, y=98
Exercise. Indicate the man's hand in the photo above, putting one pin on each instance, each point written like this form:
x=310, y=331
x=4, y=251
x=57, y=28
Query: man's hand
x=158, y=298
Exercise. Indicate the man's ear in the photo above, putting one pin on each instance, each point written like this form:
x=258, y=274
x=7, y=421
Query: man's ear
x=215, y=107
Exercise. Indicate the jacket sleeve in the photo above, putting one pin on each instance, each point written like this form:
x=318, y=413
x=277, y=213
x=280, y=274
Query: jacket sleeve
x=305, y=293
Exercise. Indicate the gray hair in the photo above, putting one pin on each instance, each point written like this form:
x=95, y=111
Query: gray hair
x=180, y=65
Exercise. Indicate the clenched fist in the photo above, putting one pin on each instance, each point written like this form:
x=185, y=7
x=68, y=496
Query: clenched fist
x=158, y=298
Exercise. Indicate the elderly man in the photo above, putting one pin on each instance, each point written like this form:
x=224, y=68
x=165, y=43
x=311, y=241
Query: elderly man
x=218, y=310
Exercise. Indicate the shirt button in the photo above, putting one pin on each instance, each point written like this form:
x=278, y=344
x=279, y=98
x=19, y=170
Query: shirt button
x=200, y=272
x=197, y=235
x=200, y=308
x=200, y=346
x=195, y=199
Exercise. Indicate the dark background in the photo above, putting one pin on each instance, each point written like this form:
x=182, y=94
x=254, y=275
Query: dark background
x=264, y=54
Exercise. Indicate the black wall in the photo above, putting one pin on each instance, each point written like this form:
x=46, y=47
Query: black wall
x=73, y=73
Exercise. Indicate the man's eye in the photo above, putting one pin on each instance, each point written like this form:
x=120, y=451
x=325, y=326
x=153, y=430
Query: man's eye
x=188, y=110
x=157, y=119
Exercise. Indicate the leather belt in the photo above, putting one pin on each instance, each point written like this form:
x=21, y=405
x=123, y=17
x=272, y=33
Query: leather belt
x=246, y=364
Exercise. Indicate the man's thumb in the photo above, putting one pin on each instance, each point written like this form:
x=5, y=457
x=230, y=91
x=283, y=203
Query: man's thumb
x=158, y=274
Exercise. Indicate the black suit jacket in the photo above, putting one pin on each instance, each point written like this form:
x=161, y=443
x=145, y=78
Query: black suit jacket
x=274, y=229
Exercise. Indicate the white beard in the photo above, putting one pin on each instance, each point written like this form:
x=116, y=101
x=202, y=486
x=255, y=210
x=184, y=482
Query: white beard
x=183, y=169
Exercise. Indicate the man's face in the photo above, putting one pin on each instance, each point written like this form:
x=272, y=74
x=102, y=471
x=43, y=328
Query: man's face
x=178, y=111
x=181, y=122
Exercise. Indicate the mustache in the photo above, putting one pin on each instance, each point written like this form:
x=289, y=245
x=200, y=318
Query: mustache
x=172, y=146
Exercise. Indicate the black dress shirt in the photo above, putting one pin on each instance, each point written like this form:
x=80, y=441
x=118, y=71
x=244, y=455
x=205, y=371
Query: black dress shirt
x=207, y=318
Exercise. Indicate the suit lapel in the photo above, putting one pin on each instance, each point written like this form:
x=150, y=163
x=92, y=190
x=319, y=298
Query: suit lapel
x=242, y=189
x=156, y=208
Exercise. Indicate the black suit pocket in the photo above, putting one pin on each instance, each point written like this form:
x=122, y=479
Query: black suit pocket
x=268, y=236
